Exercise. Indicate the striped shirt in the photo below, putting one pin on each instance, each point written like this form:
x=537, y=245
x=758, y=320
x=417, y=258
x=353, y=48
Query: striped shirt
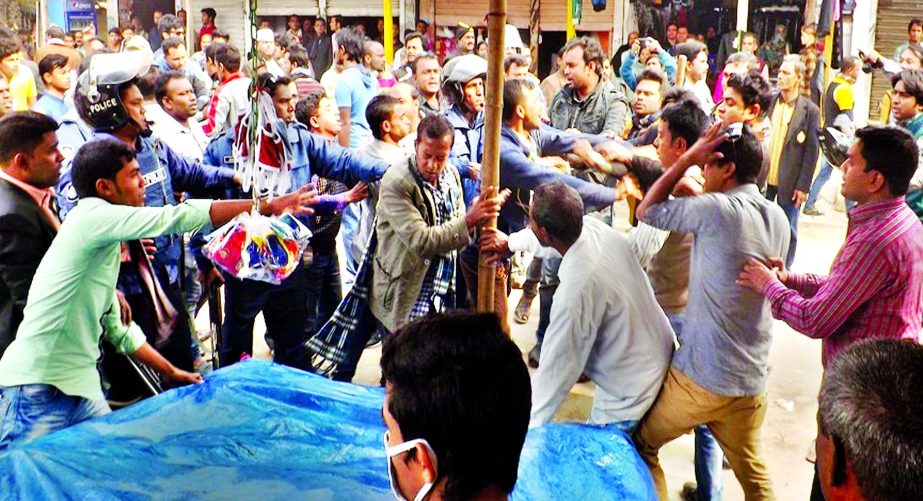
x=874, y=289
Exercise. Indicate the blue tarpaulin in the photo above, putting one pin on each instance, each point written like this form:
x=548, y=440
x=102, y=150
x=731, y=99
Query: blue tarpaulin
x=258, y=430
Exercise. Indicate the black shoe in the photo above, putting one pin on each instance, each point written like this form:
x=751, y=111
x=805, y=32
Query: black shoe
x=533, y=357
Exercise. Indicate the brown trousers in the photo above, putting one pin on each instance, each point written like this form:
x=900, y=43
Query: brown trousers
x=734, y=421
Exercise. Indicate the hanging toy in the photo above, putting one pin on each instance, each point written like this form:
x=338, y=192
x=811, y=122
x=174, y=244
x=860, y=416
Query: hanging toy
x=263, y=169
x=257, y=247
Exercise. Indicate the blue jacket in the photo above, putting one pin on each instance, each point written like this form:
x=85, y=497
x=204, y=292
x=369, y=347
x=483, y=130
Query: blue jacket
x=467, y=147
x=311, y=154
x=520, y=175
x=164, y=173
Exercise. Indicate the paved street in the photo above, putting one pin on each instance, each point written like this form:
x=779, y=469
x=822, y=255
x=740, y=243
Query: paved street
x=795, y=374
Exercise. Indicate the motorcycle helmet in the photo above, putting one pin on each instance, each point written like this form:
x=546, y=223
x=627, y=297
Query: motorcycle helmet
x=458, y=72
x=97, y=96
x=835, y=145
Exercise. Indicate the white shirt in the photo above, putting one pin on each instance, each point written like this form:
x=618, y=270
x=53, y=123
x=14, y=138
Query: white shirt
x=189, y=141
x=701, y=91
x=329, y=81
x=233, y=100
x=605, y=321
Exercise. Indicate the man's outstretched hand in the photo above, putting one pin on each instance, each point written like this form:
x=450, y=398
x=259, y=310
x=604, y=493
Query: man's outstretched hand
x=296, y=202
x=486, y=206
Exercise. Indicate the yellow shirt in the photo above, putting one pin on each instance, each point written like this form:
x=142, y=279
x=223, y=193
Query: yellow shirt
x=781, y=119
x=22, y=89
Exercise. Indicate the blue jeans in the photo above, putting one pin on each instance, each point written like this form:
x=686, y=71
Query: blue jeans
x=791, y=212
x=324, y=289
x=709, y=457
x=822, y=177
x=546, y=290
x=350, y=226
x=32, y=411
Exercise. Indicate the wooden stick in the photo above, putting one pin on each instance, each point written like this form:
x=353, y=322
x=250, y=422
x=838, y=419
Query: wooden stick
x=490, y=162
x=681, y=64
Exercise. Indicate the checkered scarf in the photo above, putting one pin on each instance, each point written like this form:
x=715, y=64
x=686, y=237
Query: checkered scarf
x=351, y=322
x=438, y=292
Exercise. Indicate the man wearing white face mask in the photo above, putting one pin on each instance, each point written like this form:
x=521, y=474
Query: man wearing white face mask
x=455, y=384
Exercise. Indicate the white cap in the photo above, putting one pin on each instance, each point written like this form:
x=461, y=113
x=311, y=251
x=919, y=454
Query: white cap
x=511, y=37
x=265, y=35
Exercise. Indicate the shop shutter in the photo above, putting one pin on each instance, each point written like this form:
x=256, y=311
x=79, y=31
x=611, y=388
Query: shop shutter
x=893, y=17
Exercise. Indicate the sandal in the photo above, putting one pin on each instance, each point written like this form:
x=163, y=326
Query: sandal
x=521, y=314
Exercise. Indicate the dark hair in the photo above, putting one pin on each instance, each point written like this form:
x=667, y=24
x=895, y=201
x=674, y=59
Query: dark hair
x=421, y=57
x=210, y=52
x=338, y=18
x=50, y=63
x=690, y=49
x=685, y=119
x=95, y=160
x=299, y=57
x=172, y=43
x=210, y=12
x=116, y=31
x=22, y=132
x=914, y=22
x=654, y=76
x=308, y=106
x=160, y=87
x=753, y=89
x=147, y=83
x=458, y=381
x=270, y=82
x=229, y=56
x=747, y=154
x=54, y=32
x=678, y=95
x=849, y=62
x=169, y=22
x=220, y=34
x=513, y=95
x=413, y=35
x=8, y=46
x=891, y=151
x=379, y=111
x=350, y=40
x=592, y=51
x=913, y=83
x=516, y=59
x=873, y=416
x=558, y=208
x=435, y=127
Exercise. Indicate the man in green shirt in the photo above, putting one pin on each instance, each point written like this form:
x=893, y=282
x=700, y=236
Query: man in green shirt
x=48, y=375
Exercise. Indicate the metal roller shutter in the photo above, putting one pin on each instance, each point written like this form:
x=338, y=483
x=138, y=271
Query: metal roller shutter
x=554, y=16
x=474, y=12
x=287, y=8
x=893, y=17
x=232, y=18
x=360, y=8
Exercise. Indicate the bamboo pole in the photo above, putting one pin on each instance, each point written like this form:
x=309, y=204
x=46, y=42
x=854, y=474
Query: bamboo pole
x=490, y=162
x=681, y=64
x=389, y=32
x=535, y=27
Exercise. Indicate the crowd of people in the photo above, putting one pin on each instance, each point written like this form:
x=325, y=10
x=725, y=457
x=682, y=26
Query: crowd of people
x=110, y=166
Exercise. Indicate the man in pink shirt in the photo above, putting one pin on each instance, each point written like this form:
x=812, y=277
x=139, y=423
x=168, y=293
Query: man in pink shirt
x=875, y=286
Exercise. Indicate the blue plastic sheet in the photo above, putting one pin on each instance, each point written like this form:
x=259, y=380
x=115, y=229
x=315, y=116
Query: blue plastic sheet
x=263, y=431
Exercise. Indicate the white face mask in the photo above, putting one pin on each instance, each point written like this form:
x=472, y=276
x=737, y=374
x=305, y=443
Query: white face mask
x=392, y=476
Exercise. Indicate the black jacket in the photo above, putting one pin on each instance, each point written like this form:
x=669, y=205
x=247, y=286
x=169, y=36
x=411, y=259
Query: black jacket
x=25, y=236
x=801, y=149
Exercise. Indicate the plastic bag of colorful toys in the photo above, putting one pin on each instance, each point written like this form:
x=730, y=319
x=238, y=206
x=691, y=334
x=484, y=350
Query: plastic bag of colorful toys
x=256, y=247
